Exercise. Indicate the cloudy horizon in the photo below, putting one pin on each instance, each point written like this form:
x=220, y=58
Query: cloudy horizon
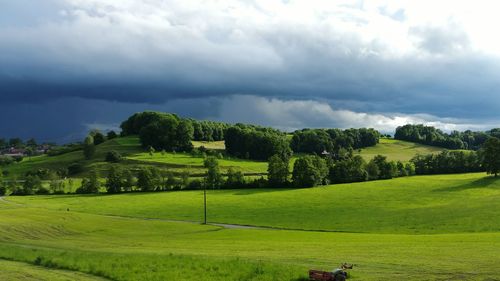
x=70, y=65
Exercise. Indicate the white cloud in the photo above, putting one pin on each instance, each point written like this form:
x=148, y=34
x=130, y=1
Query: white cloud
x=403, y=56
x=291, y=115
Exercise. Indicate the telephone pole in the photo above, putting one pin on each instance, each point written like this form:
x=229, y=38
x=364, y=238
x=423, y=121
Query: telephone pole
x=205, y=203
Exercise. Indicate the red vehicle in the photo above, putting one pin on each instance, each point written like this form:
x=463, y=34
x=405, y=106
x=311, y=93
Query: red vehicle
x=318, y=275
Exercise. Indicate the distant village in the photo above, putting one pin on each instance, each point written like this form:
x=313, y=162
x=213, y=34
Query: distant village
x=22, y=152
x=16, y=148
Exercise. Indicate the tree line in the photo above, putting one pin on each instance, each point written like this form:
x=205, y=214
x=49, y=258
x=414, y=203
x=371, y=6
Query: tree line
x=308, y=171
x=254, y=142
x=166, y=131
x=318, y=141
x=455, y=140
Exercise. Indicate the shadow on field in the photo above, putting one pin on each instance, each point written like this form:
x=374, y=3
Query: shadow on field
x=256, y=191
x=489, y=182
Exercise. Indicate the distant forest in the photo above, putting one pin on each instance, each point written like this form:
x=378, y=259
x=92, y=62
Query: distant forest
x=455, y=140
x=169, y=132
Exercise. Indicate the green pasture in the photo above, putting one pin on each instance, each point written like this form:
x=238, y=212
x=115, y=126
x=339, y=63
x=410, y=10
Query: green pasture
x=120, y=248
x=14, y=271
x=188, y=161
x=410, y=205
x=397, y=150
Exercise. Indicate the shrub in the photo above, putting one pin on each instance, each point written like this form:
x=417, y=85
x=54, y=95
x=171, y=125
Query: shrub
x=75, y=168
x=113, y=156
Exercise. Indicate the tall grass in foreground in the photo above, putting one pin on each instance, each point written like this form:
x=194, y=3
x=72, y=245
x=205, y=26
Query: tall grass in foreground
x=152, y=267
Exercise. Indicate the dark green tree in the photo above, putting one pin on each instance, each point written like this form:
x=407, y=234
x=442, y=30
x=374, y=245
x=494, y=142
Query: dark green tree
x=128, y=180
x=114, y=180
x=113, y=156
x=90, y=183
x=30, y=186
x=213, y=177
x=111, y=135
x=372, y=170
x=31, y=143
x=16, y=143
x=98, y=137
x=491, y=156
x=278, y=170
x=3, y=187
x=309, y=171
x=351, y=169
x=88, y=147
x=149, y=179
x=235, y=179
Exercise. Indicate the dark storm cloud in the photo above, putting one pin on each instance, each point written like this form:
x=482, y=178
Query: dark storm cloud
x=141, y=53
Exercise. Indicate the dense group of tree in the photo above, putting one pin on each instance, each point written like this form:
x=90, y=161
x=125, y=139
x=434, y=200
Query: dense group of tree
x=332, y=140
x=165, y=131
x=17, y=143
x=162, y=131
x=435, y=137
x=448, y=162
x=208, y=130
x=254, y=142
x=490, y=156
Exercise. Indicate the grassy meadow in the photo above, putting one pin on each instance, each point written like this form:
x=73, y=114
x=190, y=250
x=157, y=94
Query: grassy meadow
x=417, y=228
x=456, y=203
x=397, y=150
x=14, y=271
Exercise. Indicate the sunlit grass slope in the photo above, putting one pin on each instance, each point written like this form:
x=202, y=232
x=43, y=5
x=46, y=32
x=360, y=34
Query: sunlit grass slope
x=18, y=271
x=136, y=249
x=420, y=204
x=397, y=150
x=125, y=146
x=135, y=157
x=188, y=161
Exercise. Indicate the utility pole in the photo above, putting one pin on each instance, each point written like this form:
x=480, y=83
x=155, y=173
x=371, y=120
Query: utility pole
x=205, y=203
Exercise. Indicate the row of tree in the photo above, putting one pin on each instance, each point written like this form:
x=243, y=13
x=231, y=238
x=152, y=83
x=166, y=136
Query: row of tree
x=253, y=142
x=165, y=131
x=448, y=162
x=332, y=140
x=208, y=130
x=435, y=137
x=308, y=171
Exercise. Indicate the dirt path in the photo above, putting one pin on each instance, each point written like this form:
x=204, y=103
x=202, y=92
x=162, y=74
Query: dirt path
x=224, y=225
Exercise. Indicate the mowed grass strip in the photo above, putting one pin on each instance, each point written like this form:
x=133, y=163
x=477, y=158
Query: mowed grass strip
x=136, y=249
x=397, y=150
x=187, y=160
x=19, y=271
x=414, y=205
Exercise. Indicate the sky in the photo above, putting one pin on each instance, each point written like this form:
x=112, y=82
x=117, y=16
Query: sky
x=68, y=66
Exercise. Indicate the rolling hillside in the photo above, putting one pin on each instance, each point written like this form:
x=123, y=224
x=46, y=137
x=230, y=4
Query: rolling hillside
x=397, y=150
x=135, y=157
x=456, y=203
x=372, y=224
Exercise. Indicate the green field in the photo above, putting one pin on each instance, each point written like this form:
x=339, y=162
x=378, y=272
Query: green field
x=195, y=163
x=415, y=228
x=14, y=271
x=397, y=150
x=456, y=203
x=217, y=145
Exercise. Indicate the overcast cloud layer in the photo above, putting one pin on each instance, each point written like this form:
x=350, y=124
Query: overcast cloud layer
x=288, y=64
